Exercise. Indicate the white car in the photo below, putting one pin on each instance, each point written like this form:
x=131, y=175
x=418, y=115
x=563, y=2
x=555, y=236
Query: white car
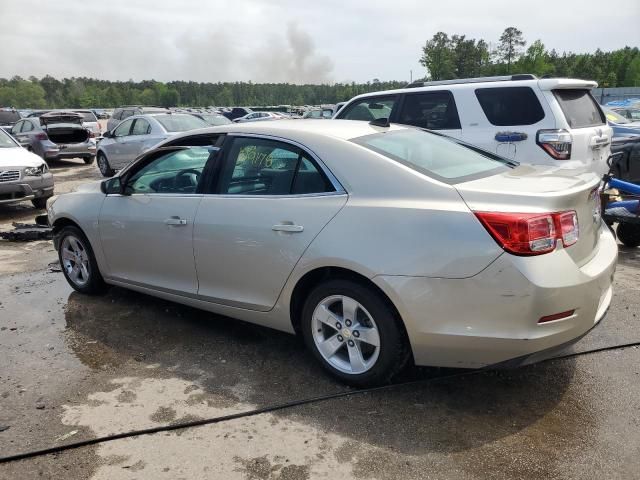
x=549, y=121
x=377, y=244
x=23, y=174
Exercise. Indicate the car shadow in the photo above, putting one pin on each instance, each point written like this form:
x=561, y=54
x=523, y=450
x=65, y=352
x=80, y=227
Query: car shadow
x=247, y=363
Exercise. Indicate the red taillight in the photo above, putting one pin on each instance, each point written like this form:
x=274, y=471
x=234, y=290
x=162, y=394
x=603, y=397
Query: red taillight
x=557, y=143
x=531, y=233
x=41, y=136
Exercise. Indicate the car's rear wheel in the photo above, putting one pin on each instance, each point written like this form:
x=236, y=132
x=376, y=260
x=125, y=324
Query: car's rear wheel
x=89, y=160
x=78, y=261
x=629, y=234
x=354, y=333
x=103, y=165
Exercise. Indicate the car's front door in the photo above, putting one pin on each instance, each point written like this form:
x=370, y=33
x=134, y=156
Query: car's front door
x=146, y=231
x=271, y=200
x=116, y=151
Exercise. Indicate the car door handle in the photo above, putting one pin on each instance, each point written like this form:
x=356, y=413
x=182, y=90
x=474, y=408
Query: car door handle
x=287, y=227
x=175, y=221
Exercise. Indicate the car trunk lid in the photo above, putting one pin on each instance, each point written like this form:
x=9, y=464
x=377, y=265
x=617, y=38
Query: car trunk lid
x=537, y=189
x=60, y=117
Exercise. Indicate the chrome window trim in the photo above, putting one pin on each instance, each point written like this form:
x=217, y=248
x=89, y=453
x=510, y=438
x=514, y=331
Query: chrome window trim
x=339, y=189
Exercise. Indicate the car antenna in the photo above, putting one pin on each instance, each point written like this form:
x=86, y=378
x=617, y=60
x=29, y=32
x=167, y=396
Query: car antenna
x=380, y=122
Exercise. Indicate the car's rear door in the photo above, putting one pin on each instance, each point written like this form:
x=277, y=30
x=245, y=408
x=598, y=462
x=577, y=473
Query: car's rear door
x=117, y=150
x=434, y=110
x=270, y=201
x=146, y=232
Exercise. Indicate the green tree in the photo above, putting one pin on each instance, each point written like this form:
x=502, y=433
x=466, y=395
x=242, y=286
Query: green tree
x=438, y=57
x=510, y=46
x=632, y=75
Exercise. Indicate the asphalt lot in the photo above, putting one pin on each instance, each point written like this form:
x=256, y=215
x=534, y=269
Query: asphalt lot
x=74, y=367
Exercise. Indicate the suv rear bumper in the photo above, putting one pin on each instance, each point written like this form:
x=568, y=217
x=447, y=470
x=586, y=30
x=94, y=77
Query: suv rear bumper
x=22, y=190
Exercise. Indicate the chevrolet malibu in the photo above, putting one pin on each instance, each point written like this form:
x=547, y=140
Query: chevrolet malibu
x=379, y=244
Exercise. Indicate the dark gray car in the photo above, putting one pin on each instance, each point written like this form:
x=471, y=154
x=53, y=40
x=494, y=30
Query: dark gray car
x=56, y=135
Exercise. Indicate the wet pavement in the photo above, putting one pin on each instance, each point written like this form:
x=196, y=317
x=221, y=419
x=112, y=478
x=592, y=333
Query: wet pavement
x=74, y=367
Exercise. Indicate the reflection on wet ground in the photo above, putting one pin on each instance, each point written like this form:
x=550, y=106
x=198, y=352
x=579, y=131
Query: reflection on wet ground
x=103, y=364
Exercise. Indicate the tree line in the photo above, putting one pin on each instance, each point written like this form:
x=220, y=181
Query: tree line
x=48, y=92
x=456, y=56
x=444, y=57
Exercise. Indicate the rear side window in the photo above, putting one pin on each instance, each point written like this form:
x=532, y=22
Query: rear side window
x=267, y=167
x=370, y=108
x=510, y=106
x=434, y=155
x=579, y=108
x=432, y=110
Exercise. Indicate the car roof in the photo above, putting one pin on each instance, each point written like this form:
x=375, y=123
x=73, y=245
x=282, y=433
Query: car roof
x=298, y=129
x=543, y=84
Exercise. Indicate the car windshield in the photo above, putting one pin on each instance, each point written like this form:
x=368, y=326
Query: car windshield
x=180, y=123
x=215, y=119
x=614, y=117
x=434, y=155
x=6, y=141
x=7, y=117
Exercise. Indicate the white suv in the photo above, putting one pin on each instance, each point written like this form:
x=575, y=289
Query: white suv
x=549, y=121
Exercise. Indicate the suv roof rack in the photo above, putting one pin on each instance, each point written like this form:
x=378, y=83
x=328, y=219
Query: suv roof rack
x=502, y=78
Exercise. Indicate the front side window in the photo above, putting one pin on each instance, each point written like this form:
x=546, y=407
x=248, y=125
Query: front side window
x=432, y=110
x=510, y=106
x=26, y=126
x=579, y=107
x=176, y=172
x=256, y=166
x=140, y=127
x=367, y=109
x=17, y=127
x=436, y=156
x=122, y=130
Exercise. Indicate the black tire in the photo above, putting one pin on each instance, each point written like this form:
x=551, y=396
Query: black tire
x=94, y=283
x=629, y=234
x=394, y=350
x=40, y=203
x=103, y=165
x=89, y=160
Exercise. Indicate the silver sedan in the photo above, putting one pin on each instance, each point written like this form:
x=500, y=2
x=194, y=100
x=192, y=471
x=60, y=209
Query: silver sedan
x=379, y=245
x=139, y=133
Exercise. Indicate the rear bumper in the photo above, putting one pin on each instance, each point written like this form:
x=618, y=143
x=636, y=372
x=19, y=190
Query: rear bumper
x=492, y=317
x=26, y=189
x=82, y=150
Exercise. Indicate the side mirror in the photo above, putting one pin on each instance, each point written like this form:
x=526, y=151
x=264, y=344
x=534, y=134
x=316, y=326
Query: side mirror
x=112, y=186
x=107, y=134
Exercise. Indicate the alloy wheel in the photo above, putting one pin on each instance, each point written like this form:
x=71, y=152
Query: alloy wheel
x=75, y=260
x=345, y=334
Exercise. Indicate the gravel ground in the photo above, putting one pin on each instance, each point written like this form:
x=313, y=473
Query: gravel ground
x=74, y=367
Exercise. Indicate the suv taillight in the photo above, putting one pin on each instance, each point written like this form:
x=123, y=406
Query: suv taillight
x=556, y=143
x=531, y=233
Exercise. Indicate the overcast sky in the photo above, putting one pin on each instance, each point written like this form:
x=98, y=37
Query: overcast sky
x=282, y=40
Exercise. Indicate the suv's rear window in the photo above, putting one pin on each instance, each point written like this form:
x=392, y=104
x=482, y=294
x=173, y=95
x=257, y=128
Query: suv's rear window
x=180, y=123
x=434, y=155
x=7, y=117
x=579, y=108
x=510, y=106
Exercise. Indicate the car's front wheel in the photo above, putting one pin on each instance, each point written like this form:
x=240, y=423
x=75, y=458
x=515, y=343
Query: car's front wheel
x=78, y=262
x=354, y=333
x=103, y=165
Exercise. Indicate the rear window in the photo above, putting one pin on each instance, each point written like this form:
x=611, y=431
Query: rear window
x=434, y=155
x=180, y=123
x=579, y=108
x=215, y=119
x=7, y=117
x=88, y=116
x=432, y=110
x=510, y=106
